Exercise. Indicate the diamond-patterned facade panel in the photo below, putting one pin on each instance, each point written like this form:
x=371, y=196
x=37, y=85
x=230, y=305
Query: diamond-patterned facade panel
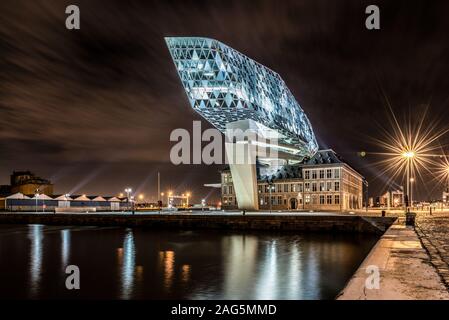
x=224, y=85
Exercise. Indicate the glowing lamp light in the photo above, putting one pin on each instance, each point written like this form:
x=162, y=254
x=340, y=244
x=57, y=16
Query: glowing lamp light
x=408, y=154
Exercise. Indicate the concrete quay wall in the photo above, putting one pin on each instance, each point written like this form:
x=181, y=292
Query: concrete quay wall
x=313, y=223
x=404, y=271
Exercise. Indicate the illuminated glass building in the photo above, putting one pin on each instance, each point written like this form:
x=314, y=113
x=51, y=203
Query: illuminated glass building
x=232, y=91
x=224, y=86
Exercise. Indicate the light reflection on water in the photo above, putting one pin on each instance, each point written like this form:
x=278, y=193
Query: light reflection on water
x=128, y=266
x=35, y=235
x=65, y=248
x=126, y=263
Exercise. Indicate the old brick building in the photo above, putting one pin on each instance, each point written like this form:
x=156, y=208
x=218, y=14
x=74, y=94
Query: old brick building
x=324, y=182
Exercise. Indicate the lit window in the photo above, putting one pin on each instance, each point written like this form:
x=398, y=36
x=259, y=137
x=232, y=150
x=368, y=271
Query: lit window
x=337, y=173
x=307, y=199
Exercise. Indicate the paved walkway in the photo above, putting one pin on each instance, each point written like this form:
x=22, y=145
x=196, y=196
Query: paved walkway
x=404, y=267
x=433, y=231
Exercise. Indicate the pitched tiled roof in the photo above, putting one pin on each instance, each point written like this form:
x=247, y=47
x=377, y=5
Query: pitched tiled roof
x=324, y=157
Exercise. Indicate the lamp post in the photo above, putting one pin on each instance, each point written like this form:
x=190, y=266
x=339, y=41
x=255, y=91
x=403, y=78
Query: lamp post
x=36, y=195
x=408, y=155
x=270, y=188
x=412, y=180
x=67, y=203
x=128, y=193
x=203, y=203
x=187, y=198
x=168, y=199
x=132, y=204
x=447, y=174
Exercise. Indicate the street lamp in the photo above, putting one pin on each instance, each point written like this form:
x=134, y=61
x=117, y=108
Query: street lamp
x=168, y=199
x=203, y=203
x=128, y=192
x=132, y=204
x=411, y=191
x=36, y=195
x=270, y=188
x=408, y=155
x=188, y=195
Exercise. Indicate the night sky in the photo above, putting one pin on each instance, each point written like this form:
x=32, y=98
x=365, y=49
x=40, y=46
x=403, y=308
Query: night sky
x=93, y=109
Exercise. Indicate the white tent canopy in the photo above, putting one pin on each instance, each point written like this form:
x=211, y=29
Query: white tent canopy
x=42, y=197
x=99, y=198
x=63, y=198
x=82, y=198
x=17, y=196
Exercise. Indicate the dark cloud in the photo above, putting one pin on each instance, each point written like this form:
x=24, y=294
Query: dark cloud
x=108, y=95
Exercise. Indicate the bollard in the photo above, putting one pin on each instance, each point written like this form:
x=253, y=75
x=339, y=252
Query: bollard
x=410, y=219
x=383, y=213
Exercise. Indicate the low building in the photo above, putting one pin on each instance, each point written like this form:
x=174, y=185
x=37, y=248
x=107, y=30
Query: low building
x=19, y=202
x=391, y=199
x=323, y=183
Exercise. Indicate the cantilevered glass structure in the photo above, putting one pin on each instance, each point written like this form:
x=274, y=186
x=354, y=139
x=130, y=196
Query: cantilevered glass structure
x=225, y=86
x=232, y=92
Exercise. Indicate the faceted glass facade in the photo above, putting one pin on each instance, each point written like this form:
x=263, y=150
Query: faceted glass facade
x=223, y=85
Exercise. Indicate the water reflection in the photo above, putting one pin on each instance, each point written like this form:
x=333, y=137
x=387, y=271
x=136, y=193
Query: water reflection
x=65, y=247
x=295, y=282
x=178, y=265
x=239, y=264
x=128, y=265
x=168, y=262
x=36, y=236
x=267, y=282
x=185, y=273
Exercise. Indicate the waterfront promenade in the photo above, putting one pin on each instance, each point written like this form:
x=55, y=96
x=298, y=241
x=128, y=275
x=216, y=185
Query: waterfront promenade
x=405, y=272
x=433, y=231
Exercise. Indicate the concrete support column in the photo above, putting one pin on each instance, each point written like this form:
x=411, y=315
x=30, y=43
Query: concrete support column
x=242, y=162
